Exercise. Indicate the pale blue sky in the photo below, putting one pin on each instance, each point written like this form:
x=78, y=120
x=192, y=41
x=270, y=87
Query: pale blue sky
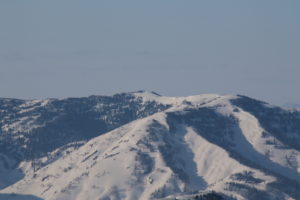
x=62, y=48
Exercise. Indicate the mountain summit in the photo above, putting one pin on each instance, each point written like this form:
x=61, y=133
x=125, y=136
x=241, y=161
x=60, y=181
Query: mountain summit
x=141, y=145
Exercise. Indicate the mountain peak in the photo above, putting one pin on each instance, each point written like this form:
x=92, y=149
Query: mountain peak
x=142, y=145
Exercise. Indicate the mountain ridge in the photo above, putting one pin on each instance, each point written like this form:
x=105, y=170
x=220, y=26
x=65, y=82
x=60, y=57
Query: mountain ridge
x=156, y=147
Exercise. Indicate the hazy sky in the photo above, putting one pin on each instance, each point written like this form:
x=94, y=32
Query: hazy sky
x=64, y=48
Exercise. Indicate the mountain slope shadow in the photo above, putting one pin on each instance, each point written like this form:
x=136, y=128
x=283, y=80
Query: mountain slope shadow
x=247, y=151
x=18, y=197
x=9, y=174
x=225, y=132
x=283, y=124
x=180, y=158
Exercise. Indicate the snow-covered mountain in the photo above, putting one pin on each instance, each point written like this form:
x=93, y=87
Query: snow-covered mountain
x=145, y=146
x=291, y=105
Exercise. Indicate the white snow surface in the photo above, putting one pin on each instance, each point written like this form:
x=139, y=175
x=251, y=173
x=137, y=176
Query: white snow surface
x=129, y=163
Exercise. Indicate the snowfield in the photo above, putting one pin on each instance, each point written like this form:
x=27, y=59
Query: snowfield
x=140, y=146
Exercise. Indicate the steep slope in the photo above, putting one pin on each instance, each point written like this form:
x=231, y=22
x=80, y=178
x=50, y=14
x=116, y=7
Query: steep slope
x=40, y=126
x=179, y=147
x=142, y=160
x=31, y=129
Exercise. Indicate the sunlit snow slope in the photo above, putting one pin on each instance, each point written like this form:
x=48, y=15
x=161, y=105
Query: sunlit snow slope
x=145, y=146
